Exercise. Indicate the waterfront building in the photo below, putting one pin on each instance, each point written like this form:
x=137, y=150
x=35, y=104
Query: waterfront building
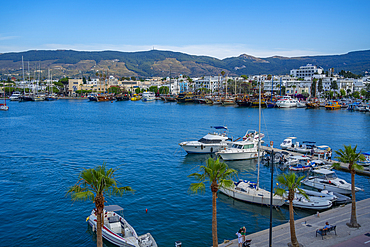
x=306, y=71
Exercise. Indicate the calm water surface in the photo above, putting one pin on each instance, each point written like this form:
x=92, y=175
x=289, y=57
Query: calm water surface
x=46, y=144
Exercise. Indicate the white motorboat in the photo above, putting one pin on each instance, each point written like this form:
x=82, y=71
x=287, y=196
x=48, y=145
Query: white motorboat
x=295, y=159
x=306, y=147
x=148, y=96
x=286, y=102
x=118, y=231
x=210, y=143
x=325, y=194
x=323, y=179
x=249, y=192
x=301, y=104
x=240, y=150
x=367, y=159
x=16, y=96
x=320, y=164
x=312, y=202
x=288, y=143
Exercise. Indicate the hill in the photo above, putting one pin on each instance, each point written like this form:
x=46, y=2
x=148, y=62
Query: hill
x=162, y=63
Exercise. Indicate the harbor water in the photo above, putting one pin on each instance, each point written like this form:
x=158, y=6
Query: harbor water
x=46, y=144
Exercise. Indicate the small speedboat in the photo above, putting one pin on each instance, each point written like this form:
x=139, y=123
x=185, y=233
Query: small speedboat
x=300, y=167
x=118, y=231
x=288, y=143
x=210, y=143
x=367, y=159
x=312, y=202
x=323, y=179
x=328, y=195
x=306, y=147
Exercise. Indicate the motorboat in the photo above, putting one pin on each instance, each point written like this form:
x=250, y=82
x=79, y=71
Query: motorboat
x=135, y=97
x=210, y=143
x=123, y=97
x=301, y=104
x=323, y=179
x=243, y=150
x=306, y=147
x=118, y=231
x=104, y=97
x=15, y=96
x=51, y=97
x=321, y=151
x=296, y=159
x=312, y=202
x=249, y=192
x=286, y=102
x=148, y=96
x=320, y=164
x=366, y=162
x=325, y=194
x=92, y=97
x=288, y=143
x=27, y=97
x=228, y=101
x=300, y=167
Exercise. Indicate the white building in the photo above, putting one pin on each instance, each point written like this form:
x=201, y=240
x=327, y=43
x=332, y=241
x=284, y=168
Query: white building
x=306, y=71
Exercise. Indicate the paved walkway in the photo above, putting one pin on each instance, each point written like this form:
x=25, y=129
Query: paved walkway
x=305, y=232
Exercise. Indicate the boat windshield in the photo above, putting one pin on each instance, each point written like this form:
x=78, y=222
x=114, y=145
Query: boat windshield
x=248, y=146
x=237, y=146
x=208, y=141
x=331, y=176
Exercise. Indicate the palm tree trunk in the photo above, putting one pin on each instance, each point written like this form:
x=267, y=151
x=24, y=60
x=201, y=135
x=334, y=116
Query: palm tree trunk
x=99, y=238
x=293, y=237
x=353, y=221
x=214, y=219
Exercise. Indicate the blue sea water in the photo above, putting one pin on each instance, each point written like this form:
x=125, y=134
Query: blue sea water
x=46, y=144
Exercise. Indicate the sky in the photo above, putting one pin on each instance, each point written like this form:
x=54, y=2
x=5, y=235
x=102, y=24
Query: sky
x=220, y=29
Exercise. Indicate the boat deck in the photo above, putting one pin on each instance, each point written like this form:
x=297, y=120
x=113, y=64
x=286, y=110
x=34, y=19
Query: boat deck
x=306, y=229
x=343, y=166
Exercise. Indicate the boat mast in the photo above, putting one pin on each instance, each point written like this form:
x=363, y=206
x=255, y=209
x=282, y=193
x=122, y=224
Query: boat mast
x=259, y=136
x=24, y=87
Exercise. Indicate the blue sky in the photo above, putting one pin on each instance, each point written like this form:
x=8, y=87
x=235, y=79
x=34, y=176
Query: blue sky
x=214, y=28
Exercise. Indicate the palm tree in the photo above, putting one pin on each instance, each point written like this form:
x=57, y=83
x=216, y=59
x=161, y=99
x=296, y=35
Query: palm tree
x=219, y=175
x=349, y=155
x=93, y=184
x=292, y=184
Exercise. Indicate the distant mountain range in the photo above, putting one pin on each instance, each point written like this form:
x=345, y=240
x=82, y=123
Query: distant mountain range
x=162, y=63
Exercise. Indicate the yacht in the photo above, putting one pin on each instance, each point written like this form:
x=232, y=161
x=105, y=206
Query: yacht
x=210, y=143
x=286, y=102
x=243, y=150
x=249, y=192
x=148, y=96
x=16, y=96
x=323, y=179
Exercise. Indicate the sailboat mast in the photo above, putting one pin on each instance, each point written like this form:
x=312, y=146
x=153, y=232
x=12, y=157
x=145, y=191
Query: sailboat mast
x=259, y=136
x=24, y=86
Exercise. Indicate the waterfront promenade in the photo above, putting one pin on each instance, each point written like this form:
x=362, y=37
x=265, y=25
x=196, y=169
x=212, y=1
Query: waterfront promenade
x=306, y=230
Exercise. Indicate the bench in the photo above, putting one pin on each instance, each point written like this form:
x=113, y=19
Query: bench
x=323, y=232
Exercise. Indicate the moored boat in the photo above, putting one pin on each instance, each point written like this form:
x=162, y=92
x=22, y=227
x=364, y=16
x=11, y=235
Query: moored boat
x=332, y=105
x=118, y=231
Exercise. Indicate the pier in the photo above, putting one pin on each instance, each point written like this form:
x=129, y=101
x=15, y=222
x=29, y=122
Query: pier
x=343, y=166
x=306, y=229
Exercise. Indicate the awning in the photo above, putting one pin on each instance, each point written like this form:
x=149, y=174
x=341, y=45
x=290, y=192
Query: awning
x=113, y=208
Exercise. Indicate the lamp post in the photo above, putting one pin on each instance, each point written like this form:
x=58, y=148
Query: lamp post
x=271, y=189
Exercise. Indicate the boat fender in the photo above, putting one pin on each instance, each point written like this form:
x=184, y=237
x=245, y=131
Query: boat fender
x=211, y=150
x=329, y=182
x=201, y=147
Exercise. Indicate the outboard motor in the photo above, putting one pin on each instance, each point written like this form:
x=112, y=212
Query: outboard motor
x=247, y=243
x=178, y=244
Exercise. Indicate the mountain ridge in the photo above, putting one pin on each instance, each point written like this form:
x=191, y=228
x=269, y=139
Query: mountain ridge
x=163, y=63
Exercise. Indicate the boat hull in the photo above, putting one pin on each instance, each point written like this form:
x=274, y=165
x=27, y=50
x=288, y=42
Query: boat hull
x=238, y=155
x=202, y=148
x=327, y=186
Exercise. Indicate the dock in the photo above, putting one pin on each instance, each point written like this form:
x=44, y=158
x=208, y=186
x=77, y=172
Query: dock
x=306, y=230
x=343, y=166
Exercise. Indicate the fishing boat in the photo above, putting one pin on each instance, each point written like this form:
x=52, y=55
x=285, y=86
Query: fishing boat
x=118, y=231
x=247, y=191
x=313, y=103
x=332, y=105
x=323, y=179
x=104, y=97
x=210, y=143
x=123, y=97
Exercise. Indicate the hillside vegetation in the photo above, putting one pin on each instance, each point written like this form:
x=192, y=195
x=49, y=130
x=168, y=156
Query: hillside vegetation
x=162, y=63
